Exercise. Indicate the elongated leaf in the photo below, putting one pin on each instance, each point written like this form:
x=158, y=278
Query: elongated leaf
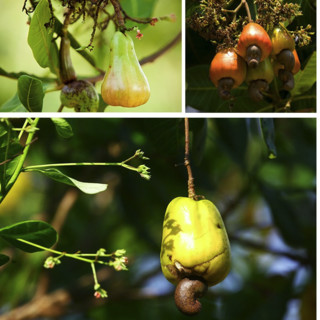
x=13, y=105
x=138, y=9
x=86, y=187
x=199, y=129
x=40, y=37
x=201, y=94
x=285, y=215
x=235, y=145
x=102, y=105
x=3, y=259
x=306, y=78
x=38, y=232
x=10, y=152
x=267, y=127
x=30, y=92
x=63, y=127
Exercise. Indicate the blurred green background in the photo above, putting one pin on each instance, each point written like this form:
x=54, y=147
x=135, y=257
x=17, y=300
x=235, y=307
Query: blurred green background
x=164, y=74
x=268, y=206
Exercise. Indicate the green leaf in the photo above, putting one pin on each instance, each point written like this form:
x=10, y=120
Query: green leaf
x=30, y=92
x=287, y=216
x=305, y=79
x=13, y=105
x=235, y=144
x=199, y=129
x=40, y=37
x=201, y=94
x=81, y=48
x=138, y=9
x=3, y=259
x=38, y=232
x=102, y=105
x=86, y=187
x=10, y=152
x=267, y=127
x=63, y=128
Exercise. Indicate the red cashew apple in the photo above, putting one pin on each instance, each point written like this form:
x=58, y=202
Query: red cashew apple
x=227, y=71
x=254, y=44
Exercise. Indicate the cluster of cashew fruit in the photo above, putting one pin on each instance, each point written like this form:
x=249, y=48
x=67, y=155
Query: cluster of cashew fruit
x=124, y=83
x=257, y=59
x=195, y=250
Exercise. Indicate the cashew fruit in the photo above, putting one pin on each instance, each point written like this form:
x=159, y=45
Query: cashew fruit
x=254, y=44
x=195, y=243
x=124, y=83
x=259, y=78
x=227, y=71
x=281, y=40
x=80, y=95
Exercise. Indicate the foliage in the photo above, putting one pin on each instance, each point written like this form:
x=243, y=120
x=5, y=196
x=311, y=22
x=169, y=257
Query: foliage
x=259, y=174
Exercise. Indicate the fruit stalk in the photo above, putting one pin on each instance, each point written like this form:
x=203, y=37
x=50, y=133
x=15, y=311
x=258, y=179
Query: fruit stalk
x=117, y=10
x=191, y=190
x=67, y=72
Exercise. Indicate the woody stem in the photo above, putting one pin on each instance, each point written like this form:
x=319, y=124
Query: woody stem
x=247, y=9
x=191, y=190
x=235, y=11
x=118, y=11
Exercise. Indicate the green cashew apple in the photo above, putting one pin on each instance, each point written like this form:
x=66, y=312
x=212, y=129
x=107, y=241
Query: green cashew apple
x=80, y=95
x=195, y=250
x=124, y=83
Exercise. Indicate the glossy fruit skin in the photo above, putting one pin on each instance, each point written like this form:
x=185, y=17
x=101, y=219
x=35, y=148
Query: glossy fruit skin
x=281, y=40
x=259, y=79
x=124, y=83
x=297, y=64
x=194, y=242
x=264, y=71
x=80, y=95
x=254, y=34
x=227, y=64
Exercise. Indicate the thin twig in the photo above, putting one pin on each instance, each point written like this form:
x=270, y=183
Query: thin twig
x=191, y=191
x=235, y=11
x=157, y=54
x=17, y=154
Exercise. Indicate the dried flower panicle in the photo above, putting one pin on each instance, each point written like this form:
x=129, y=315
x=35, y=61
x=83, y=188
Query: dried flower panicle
x=212, y=23
x=215, y=21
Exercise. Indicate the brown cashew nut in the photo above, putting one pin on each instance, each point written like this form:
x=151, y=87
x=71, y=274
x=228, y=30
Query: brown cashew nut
x=286, y=57
x=187, y=293
x=256, y=89
x=224, y=87
x=253, y=56
x=287, y=79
